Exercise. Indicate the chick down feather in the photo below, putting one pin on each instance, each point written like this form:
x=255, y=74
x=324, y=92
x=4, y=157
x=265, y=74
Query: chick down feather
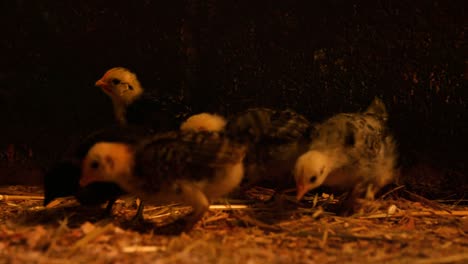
x=204, y=122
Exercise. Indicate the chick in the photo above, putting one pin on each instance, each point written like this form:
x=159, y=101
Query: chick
x=275, y=139
x=132, y=105
x=63, y=178
x=181, y=166
x=349, y=151
x=123, y=87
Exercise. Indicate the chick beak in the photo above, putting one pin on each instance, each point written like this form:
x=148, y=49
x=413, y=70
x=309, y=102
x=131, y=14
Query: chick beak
x=301, y=191
x=100, y=83
x=103, y=85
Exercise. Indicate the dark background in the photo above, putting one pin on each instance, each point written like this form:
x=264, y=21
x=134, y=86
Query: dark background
x=317, y=57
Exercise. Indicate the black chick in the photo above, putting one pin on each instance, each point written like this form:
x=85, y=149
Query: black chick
x=63, y=178
x=134, y=106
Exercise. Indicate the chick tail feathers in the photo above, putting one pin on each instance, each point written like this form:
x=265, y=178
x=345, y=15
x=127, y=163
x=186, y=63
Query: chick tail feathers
x=377, y=108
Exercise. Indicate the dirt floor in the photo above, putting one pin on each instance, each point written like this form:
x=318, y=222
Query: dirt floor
x=399, y=228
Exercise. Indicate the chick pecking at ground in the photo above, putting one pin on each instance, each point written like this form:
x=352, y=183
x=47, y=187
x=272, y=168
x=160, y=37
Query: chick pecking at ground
x=276, y=138
x=134, y=106
x=182, y=166
x=62, y=179
x=349, y=151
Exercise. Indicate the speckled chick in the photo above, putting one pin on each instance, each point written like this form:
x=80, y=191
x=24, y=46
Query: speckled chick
x=349, y=151
x=276, y=138
x=181, y=166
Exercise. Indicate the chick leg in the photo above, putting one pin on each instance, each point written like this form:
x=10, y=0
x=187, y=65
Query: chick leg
x=250, y=179
x=194, y=197
x=370, y=192
x=350, y=204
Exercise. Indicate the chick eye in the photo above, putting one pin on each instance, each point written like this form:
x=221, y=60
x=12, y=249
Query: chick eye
x=115, y=81
x=130, y=87
x=313, y=179
x=94, y=164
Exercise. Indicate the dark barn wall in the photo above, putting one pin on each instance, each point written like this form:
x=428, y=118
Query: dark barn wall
x=317, y=57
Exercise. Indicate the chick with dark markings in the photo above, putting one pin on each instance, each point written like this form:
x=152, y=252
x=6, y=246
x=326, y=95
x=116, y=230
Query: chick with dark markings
x=181, y=166
x=276, y=138
x=349, y=151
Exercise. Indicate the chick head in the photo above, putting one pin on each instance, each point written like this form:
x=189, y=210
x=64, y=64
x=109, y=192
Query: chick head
x=121, y=85
x=107, y=162
x=310, y=171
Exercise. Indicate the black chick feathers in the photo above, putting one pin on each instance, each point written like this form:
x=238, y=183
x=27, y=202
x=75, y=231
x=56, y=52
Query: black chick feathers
x=62, y=179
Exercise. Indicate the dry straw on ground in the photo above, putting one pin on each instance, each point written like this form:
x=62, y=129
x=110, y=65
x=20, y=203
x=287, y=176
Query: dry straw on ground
x=396, y=229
